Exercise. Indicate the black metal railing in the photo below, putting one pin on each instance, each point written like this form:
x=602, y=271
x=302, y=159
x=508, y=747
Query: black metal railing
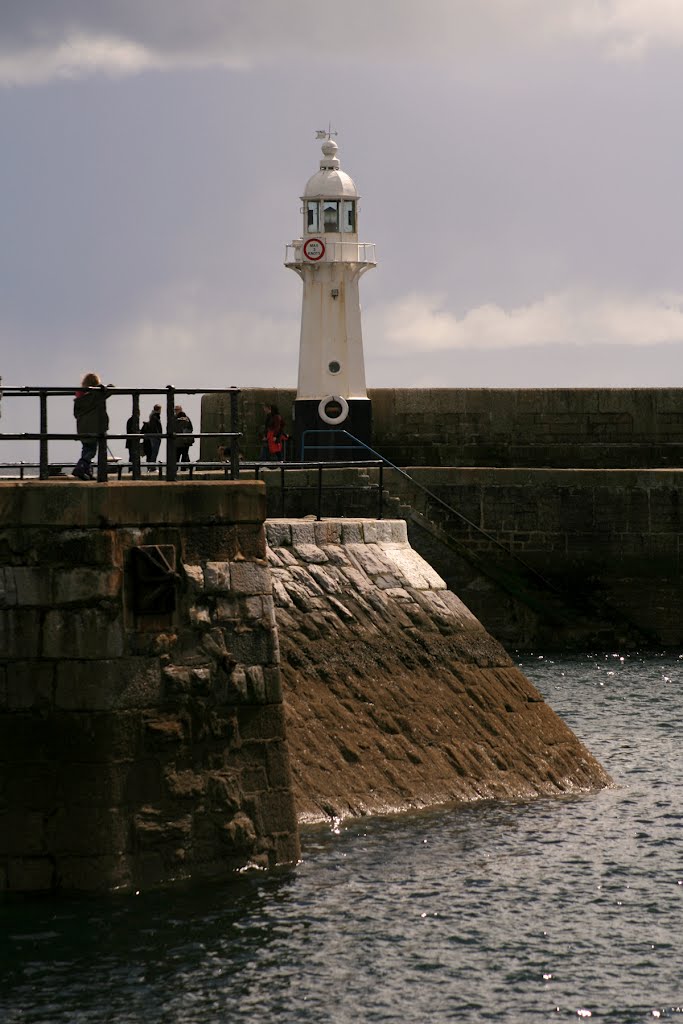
x=167, y=470
x=285, y=468
x=435, y=499
x=329, y=443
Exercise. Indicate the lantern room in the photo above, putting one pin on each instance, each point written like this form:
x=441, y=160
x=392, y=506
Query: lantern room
x=330, y=198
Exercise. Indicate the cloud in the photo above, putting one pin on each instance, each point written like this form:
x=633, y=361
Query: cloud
x=42, y=40
x=77, y=55
x=179, y=344
x=198, y=349
x=422, y=323
x=626, y=28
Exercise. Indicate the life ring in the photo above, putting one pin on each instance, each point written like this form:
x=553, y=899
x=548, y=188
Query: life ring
x=333, y=421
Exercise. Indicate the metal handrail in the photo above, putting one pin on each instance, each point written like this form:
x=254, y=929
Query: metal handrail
x=43, y=436
x=337, y=447
x=284, y=467
x=436, y=499
x=117, y=469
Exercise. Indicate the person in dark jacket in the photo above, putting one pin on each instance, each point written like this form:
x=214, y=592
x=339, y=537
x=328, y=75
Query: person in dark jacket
x=132, y=443
x=182, y=426
x=91, y=420
x=263, y=436
x=153, y=431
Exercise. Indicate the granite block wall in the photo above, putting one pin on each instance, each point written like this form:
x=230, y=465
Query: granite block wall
x=612, y=536
x=142, y=731
x=578, y=427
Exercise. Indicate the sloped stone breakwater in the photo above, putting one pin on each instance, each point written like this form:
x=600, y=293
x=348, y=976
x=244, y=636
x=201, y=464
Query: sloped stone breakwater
x=396, y=696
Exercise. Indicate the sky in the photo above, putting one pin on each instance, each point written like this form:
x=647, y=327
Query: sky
x=519, y=164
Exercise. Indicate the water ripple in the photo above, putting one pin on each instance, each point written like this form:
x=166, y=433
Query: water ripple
x=556, y=910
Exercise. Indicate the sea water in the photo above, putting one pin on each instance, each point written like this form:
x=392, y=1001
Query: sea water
x=554, y=910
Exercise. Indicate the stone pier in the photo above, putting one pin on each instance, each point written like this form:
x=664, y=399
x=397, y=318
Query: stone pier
x=141, y=718
x=183, y=684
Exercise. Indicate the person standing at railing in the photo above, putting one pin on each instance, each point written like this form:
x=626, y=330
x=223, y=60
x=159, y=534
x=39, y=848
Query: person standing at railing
x=182, y=426
x=132, y=443
x=274, y=435
x=263, y=454
x=153, y=431
x=91, y=419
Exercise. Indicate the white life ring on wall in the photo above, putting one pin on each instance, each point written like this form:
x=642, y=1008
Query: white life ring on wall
x=333, y=421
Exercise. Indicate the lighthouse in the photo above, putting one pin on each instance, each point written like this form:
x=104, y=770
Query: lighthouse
x=331, y=395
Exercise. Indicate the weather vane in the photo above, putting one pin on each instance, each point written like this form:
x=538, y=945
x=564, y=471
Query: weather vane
x=322, y=134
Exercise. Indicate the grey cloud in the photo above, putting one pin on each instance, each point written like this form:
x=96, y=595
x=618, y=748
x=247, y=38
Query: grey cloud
x=167, y=33
x=249, y=29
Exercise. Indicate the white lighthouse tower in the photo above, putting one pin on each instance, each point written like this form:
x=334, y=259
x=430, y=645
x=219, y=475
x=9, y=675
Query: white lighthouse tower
x=329, y=259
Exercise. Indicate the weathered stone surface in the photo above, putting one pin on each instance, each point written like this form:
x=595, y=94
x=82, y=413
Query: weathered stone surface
x=250, y=578
x=83, y=633
x=122, y=760
x=85, y=585
x=115, y=683
x=217, y=576
x=27, y=684
x=397, y=697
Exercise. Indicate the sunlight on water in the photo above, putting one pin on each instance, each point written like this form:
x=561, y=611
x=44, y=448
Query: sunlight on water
x=556, y=910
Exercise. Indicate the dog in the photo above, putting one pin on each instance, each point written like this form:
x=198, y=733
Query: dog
x=225, y=453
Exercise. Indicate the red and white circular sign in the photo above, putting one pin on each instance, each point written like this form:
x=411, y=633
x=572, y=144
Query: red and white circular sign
x=314, y=249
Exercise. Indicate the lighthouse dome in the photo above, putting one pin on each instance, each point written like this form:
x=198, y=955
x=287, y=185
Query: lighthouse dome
x=330, y=182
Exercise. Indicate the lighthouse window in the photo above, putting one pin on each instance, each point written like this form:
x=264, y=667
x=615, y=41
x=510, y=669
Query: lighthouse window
x=313, y=219
x=349, y=222
x=330, y=215
x=334, y=366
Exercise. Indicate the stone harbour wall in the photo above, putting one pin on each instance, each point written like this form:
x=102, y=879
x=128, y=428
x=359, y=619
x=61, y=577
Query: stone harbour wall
x=396, y=696
x=610, y=540
x=564, y=427
x=141, y=719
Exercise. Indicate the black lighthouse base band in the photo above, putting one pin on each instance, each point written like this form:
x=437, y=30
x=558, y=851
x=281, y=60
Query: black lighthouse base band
x=319, y=425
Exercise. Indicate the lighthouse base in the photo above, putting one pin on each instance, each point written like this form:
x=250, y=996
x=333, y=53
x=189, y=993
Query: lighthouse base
x=329, y=429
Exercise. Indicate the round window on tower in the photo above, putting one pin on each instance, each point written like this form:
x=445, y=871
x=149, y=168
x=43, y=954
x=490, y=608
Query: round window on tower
x=334, y=366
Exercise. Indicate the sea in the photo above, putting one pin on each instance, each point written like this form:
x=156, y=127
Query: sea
x=551, y=910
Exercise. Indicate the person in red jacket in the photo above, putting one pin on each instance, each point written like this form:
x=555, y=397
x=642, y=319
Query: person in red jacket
x=274, y=436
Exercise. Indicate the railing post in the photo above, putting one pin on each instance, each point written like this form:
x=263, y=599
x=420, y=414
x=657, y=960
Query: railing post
x=43, y=468
x=171, y=463
x=381, y=489
x=320, y=490
x=235, y=443
x=102, y=458
x=282, y=492
x=135, y=447
x=102, y=449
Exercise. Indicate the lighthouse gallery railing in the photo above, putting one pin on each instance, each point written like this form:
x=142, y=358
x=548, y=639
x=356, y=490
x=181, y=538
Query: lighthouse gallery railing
x=335, y=252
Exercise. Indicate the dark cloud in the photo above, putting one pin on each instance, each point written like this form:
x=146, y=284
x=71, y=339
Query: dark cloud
x=244, y=32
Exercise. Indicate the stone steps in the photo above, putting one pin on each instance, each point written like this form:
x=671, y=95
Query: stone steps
x=577, y=616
